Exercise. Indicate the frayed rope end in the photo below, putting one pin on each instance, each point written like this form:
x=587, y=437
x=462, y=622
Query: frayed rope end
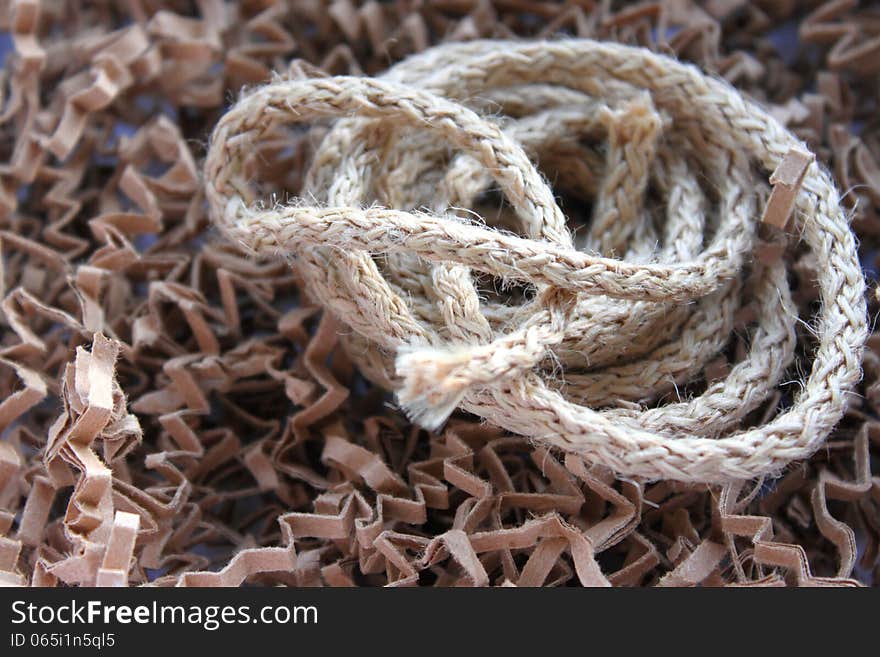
x=433, y=383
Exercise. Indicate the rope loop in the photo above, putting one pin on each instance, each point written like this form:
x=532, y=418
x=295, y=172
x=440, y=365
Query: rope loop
x=425, y=225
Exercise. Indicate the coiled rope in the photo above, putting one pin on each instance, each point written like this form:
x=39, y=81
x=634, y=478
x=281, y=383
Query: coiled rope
x=593, y=328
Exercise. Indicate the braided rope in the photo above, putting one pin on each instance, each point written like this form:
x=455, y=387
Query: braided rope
x=619, y=313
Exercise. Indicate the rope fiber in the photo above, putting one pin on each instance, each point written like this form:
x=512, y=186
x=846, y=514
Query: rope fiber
x=575, y=334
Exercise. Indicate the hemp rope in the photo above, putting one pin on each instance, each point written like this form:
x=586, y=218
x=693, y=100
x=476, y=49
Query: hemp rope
x=639, y=303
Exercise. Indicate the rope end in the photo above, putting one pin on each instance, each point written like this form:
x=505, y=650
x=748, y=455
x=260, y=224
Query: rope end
x=432, y=387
